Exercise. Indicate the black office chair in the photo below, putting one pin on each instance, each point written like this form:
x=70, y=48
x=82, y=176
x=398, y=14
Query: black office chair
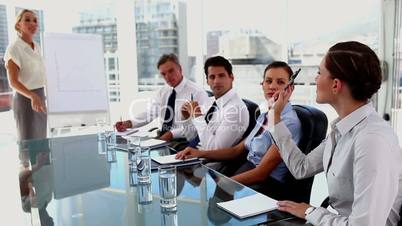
x=314, y=124
x=400, y=217
x=253, y=112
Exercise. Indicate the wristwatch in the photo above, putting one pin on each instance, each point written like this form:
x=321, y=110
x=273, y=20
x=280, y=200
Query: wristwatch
x=309, y=210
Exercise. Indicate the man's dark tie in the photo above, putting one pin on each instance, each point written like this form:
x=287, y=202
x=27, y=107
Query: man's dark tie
x=210, y=112
x=193, y=143
x=169, y=113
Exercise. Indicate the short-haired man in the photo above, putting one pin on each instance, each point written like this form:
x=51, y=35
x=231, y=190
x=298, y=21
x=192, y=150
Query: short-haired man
x=167, y=102
x=222, y=122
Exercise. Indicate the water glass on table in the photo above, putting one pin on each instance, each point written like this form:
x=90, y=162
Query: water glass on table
x=110, y=137
x=111, y=155
x=143, y=160
x=169, y=217
x=133, y=152
x=167, y=186
x=100, y=124
x=101, y=147
x=144, y=192
x=133, y=147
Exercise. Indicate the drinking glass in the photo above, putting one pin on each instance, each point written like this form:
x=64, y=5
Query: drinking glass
x=110, y=137
x=143, y=160
x=167, y=185
x=144, y=192
x=100, y=124
x=133, y=152
x=169, y=217
x=111, y=155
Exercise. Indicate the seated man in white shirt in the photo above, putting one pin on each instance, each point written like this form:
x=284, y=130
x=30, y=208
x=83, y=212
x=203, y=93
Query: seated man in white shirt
x=168, y=100
x=221, y=122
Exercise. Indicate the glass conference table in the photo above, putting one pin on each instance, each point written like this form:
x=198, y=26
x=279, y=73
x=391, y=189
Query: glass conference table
x=69, y=181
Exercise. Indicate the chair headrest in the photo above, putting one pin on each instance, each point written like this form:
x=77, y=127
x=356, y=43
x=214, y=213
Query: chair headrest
x=253, y=112
x=314, y=124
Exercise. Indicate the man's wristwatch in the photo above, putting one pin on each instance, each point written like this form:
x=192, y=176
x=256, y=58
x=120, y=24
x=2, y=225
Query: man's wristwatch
x=309, y=210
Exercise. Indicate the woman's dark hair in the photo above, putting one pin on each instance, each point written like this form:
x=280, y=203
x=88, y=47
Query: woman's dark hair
x=278, y=64
x=218, y=61
x=357, y=65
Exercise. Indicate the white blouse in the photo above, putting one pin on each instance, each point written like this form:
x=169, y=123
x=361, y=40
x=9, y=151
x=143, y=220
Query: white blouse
x=29, y=61
x=365, y=177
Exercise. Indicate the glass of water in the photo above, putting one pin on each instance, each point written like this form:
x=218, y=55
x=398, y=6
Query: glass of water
x=134, y=140
x=167, y=185
x=110, y=137
x=144, y=192
x=133, y=147
x=100, y=124
x=101, y=147
x=143, y=160
x=133, y=152
x=169, y=217
x=111, y=155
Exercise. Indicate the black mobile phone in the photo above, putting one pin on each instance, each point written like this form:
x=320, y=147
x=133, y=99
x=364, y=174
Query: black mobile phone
x=292, y=78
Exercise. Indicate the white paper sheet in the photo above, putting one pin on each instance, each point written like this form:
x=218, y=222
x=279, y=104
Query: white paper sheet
x=249, y=206
x=170, y=159
x=151, y=143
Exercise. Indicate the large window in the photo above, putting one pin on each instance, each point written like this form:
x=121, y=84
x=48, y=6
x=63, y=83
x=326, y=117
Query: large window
x=297, y=32
x=250, y=33
x=5, y=90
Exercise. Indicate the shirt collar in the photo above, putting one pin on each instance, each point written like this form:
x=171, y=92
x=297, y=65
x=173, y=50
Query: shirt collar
x=346, y=124
x=26, y=45
x=221, y=101
x=288, y=107
x=181, y=85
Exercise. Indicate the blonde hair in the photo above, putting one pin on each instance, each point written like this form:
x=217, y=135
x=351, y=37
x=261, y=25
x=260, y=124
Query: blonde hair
x=19, y=17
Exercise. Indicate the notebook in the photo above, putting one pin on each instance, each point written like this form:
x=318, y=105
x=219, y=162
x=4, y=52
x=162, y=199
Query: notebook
x=249, y=206
x=170, y=159
x=153, y=143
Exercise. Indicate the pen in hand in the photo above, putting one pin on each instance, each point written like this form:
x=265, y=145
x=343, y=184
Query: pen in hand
x=192, y=97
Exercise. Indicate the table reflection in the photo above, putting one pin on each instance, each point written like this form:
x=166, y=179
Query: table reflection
x=68, y=181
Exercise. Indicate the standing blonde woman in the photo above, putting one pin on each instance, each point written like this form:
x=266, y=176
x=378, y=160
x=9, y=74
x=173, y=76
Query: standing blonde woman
x=361, y=157
x=26, y=74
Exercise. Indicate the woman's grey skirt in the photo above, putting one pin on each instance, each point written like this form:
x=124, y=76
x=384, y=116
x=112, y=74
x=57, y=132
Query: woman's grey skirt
x=30, y=124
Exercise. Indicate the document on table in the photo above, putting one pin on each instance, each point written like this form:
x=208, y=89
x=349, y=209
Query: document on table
x=170, y=159
x=153, y=143
x=249, y=206
x=127, y=132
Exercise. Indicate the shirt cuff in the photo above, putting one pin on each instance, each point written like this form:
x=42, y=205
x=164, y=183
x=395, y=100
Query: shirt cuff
x=177, y=133
x=317, y=214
